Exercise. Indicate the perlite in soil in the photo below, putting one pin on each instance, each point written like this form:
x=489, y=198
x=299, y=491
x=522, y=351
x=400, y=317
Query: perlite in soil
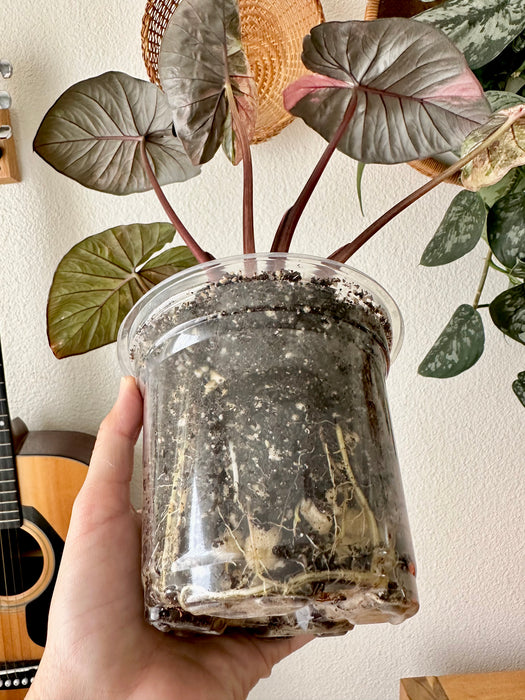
x=273, y=499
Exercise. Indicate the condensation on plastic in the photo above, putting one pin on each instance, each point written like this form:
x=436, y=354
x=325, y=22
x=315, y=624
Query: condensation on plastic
x=272, y=495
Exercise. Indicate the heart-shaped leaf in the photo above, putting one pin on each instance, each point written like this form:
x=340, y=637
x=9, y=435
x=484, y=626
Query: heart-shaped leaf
x=508, y=312
x=518, y=387
x=506, y=229
x=459, y=346
x=98, y=281
x=481, y=29
x=415, y=94
x=205, y=75
x=94, y=130
x=497, y=159
x=459, y=232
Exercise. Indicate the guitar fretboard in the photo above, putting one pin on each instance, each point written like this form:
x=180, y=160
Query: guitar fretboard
x=10, y=508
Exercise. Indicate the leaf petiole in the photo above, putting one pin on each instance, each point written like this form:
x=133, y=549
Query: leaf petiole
x=498, y=268
x=247, y=199
x=192, y=244
x=345, y=252
x=483, y=279
x=284, y=234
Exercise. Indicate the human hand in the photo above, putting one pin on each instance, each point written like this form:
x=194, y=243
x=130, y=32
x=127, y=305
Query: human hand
x=99, y=646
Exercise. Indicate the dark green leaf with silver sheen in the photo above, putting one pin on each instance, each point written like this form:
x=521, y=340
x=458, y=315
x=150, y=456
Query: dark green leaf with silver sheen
x=459, y=232
x=499, y=99
x=98, y=281
x=508, y=312
x=406, y=109
x=506, y=229
x=93, y=133
x=509, y=183
x=459, y=346
x=518, y=387
x=480, y=28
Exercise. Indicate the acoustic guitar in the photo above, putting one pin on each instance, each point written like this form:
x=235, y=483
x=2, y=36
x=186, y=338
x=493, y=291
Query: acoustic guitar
x=41, y=473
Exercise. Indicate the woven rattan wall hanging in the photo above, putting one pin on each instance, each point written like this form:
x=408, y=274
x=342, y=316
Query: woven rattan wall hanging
x=273, y=32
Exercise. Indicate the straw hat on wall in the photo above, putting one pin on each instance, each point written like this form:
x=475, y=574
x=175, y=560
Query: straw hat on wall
x=272, y=32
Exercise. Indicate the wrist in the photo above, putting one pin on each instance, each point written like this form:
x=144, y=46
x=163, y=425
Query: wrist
x=53, y=682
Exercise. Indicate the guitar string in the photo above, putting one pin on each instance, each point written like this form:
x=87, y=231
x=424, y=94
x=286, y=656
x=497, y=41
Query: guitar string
x=10, y=449
x=14, y=559
x=6, y=607
x=26, y=643
x=14, y=548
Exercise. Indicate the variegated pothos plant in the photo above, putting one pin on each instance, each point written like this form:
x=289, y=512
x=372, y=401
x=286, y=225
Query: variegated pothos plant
x=387, y=91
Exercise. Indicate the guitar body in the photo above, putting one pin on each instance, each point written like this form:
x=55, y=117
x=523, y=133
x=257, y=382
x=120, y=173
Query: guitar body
x=50, y=467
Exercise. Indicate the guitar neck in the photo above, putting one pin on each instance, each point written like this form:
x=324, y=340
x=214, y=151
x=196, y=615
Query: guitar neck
x=10, y=506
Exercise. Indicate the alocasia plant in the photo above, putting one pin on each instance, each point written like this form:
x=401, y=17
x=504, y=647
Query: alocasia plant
x=386, y=91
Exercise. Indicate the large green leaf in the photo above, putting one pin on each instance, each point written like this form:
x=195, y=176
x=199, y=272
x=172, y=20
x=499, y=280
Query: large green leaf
x=98, y=281
x=415, y=94
x=480, y=28
x=518, y=387
x=506, y=229
x=94, y=130
x=460, y=230
x=202, y=68
x=459, y=346
x=496, y=160
x=508, y=312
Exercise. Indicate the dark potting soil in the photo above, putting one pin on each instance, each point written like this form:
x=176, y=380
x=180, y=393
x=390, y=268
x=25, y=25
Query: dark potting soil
x=273, y=498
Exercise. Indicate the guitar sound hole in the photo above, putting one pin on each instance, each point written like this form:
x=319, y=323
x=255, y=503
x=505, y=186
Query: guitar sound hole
x=22, y=562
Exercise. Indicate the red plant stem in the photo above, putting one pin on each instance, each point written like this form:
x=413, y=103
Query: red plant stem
x=248, y=235
x=192, y=244
x=345, y=252
x=284, y=234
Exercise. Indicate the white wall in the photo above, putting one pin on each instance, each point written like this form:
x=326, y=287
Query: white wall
x=460, y=441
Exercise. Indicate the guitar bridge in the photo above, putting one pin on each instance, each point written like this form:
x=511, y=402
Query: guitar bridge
x=18, y=675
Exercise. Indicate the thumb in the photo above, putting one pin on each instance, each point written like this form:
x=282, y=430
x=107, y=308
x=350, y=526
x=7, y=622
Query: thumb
x=105, y=492
x=112, y=458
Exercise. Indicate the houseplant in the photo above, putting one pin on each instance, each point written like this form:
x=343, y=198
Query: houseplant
x=491, y=35
x=339, y=551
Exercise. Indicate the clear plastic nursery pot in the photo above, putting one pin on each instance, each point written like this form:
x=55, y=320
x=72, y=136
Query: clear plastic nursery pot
x=272, y=495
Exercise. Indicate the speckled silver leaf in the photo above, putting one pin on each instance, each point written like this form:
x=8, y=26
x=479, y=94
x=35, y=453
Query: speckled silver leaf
x=495, y=161
x=459, y=346
x=459, y=232
x=506, y=230
x=480, y=28
x=93, y=133
x=415, y=94
x=508, y=312
x=201, y=55
x=499, y=99
x=518, y=387
x=509, y=183
x=97, y=282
